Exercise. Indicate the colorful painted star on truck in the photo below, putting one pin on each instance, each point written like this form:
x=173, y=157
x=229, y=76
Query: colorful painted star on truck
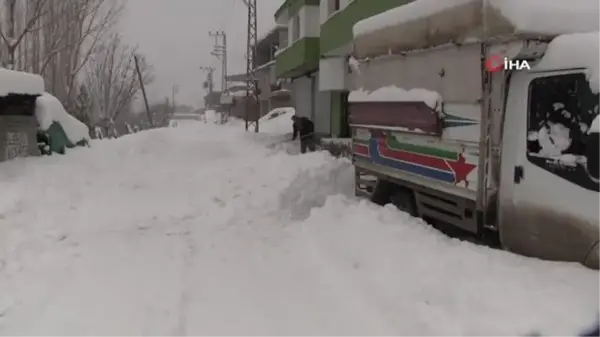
x=427, y=161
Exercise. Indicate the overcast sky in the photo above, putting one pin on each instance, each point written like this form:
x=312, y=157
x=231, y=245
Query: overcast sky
x=173, y=35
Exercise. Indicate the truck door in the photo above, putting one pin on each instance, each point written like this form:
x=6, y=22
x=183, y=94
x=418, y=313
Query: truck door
x=553, y=213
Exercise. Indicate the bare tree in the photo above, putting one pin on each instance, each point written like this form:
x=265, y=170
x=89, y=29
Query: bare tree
x=92, y=24
x=12, y=37
x=111, y=80
x=55, y=38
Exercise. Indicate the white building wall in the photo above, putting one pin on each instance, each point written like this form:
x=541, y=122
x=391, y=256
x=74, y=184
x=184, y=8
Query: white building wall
x=322, y=108
x=309, y=21
x=302, y=93
x=334, y=71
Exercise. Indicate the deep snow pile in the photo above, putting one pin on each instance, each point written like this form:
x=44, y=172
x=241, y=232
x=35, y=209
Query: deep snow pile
x=48, y=109
x=204, y=230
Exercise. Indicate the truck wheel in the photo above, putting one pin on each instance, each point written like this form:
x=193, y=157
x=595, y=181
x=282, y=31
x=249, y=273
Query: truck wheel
x=404, y=200
x=383, y=192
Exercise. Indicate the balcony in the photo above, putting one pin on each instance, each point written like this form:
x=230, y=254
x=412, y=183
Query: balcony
x=299, y=58
x=336, y=32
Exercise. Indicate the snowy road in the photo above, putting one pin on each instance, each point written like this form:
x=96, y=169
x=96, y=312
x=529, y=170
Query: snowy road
x=203, y=230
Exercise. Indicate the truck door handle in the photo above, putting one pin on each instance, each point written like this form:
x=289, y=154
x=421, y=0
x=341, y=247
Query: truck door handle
x=519, y=173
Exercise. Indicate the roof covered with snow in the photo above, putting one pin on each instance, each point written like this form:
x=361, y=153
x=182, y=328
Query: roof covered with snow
x=17, y=82
x=395, y=94
x=425, y=23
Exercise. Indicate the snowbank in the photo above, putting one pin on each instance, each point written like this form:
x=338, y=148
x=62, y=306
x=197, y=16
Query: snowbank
x=395, y=94
x=17, y=82
x=49, y=109
x=204, y=231
x=426, y=23
x=277, y=121
x=572, y=51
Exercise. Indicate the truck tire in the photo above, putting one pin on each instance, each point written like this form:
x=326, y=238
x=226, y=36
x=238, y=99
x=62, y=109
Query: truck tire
x=387, y=192
x=404, y=200
x=383, y=192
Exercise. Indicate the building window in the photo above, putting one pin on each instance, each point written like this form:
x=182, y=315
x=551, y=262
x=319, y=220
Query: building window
x=333, y=6
x=295, y=28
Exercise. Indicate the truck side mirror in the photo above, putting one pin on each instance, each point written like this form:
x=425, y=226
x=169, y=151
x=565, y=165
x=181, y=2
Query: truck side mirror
x=592, y=153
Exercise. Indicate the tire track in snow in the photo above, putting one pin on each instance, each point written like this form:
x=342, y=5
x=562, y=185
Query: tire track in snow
x=188, y=254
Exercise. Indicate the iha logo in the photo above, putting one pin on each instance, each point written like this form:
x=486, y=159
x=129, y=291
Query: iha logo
x=495, y=63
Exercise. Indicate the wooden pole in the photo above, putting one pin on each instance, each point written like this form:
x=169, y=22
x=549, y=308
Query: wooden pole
x=137, y=68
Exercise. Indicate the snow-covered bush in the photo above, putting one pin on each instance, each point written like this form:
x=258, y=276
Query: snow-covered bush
x=61, y=130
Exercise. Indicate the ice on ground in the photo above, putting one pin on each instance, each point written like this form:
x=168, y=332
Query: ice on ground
x=204, y=230
x=395, y=94
x=17, y=82
x=575, y=16
x=48, y=109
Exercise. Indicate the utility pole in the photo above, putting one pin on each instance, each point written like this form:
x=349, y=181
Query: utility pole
x=174, y=91
x=220, y=51
x=209, y=81
x=137, y=68
x=251, y=83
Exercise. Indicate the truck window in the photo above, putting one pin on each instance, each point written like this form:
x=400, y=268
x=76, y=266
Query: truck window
x=561, y=110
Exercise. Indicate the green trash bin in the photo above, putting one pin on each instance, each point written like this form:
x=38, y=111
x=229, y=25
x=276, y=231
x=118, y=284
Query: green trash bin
x=57, y=140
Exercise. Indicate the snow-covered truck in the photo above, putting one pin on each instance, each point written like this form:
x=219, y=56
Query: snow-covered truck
x=483, y=115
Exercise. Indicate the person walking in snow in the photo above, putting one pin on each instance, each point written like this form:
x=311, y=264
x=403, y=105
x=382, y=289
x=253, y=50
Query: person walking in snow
x=304, y=128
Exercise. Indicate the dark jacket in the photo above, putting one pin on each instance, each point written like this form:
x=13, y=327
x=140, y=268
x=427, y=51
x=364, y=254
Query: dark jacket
x=303, y=127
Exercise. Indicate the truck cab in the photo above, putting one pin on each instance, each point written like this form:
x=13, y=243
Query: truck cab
x=507, y=153
x=548, y=196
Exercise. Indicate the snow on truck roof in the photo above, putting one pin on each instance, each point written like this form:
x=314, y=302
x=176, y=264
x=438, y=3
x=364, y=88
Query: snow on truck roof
x=427, y=23
x=562, y=53
x=17, y=82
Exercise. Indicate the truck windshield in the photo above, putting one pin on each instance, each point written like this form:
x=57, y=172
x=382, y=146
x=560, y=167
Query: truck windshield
x=561, y=111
